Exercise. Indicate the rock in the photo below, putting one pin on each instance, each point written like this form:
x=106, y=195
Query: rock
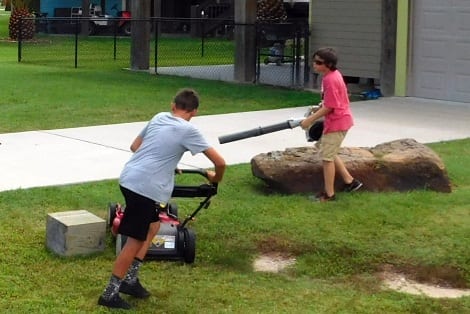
x=401, y=165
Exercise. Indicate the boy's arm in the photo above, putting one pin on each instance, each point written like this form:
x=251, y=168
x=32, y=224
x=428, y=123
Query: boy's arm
x=219, y=165
x=138, y=140
x=307, y=122
x=136, y=143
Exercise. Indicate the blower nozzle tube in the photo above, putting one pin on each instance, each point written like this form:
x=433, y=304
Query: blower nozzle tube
x=289, y=124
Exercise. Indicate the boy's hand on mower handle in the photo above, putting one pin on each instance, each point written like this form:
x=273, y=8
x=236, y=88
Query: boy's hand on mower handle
x=210, y=174
x=213, y=177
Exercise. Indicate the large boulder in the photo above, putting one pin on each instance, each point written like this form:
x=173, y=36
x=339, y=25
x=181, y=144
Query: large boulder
x=400, y=165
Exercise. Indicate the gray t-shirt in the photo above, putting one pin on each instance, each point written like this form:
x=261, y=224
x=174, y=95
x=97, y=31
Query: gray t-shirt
x=151, y=170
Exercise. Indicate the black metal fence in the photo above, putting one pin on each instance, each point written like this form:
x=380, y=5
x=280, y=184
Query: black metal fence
x=198, y=48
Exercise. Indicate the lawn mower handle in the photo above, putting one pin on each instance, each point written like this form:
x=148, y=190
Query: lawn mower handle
x=202, y=190
x=206, y=190
x=289, y=124
x=200, y=171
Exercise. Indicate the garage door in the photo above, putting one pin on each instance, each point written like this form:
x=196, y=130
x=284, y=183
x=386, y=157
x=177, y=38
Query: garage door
x=440, y=57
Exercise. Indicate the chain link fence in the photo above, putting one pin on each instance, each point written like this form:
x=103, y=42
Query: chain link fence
x=198, y=48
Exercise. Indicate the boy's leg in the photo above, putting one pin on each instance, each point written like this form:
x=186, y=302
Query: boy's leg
x=140, y=214
x=110, y=296
x=330, y=145
x=126, y=256
x=329, y=177
x=153, y=230
x=350, y=183
x=343, y=171
x=131, y=284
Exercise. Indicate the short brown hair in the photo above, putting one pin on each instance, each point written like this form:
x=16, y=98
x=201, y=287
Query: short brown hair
x=186, y=99
x=329, y=56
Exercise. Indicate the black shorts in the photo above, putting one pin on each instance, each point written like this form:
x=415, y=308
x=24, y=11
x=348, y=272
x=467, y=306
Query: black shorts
x=139, y=213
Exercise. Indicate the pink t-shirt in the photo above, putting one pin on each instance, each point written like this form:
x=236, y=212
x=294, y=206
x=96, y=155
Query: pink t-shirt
x=335, y=96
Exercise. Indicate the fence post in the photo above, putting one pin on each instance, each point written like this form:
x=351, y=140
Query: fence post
x=258, y=53
x=306, y=54
x=156, y=29
x=76, y=43
x=140, y=35
x=202, y=38
x=298, y=37
x=245, y=41
x=115, y=38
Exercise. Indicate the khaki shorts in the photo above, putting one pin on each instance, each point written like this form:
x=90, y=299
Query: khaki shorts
x=330, y=143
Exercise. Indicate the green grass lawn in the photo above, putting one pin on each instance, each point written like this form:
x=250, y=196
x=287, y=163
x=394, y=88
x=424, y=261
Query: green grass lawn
x=39, y=95
x=45, y=91
x=339, y=247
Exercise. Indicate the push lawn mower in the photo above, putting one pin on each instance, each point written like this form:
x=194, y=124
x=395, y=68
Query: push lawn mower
x=174, y=240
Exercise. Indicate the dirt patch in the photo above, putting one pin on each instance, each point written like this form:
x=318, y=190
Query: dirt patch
x=392, y=277
x=280, y=245
x=430, y=281
x=276, y=254
x=273, y=262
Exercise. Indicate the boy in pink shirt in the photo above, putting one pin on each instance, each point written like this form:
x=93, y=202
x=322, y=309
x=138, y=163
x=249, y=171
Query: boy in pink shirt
x=338, y=120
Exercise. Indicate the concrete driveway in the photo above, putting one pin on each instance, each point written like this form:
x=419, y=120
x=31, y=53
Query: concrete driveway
x=65, y=156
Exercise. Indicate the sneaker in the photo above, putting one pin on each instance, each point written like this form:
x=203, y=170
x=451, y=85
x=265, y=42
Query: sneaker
x=353, y=186
x=135, y=290
x=323, y=197
x=115, y=302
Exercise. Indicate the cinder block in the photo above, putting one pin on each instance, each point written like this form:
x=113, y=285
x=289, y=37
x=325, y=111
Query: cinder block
x=76, y=232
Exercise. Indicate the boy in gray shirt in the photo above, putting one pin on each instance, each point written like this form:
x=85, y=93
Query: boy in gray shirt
x=147, y=182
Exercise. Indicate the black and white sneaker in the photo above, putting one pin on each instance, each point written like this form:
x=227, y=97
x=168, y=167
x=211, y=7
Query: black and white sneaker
x=135, y=290
x=115, y=302
x=353, y=186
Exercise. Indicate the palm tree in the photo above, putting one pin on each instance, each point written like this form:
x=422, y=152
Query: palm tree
x=18, y=25
x=272, y=11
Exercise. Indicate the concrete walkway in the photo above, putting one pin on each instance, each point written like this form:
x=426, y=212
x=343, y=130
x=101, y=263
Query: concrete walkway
x=64, y=156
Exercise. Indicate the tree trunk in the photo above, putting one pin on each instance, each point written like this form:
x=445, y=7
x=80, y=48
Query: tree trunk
x=245, y=40
x=140, y=35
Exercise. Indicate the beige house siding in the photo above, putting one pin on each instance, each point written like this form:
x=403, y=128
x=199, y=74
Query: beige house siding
x=354, y=29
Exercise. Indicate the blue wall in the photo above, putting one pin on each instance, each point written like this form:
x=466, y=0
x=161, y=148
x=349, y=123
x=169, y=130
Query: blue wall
x=48, y=6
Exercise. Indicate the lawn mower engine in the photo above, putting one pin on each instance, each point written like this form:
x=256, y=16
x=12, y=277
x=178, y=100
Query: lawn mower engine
x=174, y=240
